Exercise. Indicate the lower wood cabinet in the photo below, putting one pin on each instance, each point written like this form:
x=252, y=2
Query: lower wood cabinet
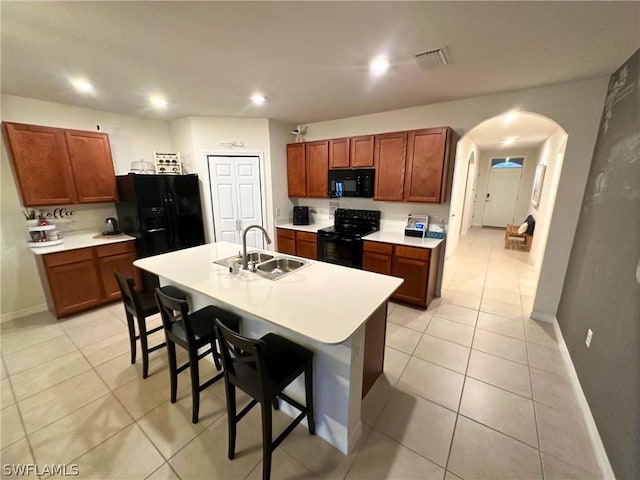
x=307, y=245
x=294, y=242
x=417, y=266
x=286, y=241
x=77, y=280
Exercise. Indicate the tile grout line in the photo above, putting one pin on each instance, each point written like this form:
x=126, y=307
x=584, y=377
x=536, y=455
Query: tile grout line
x=455, y=424
x=24, y=428
x=533, y=404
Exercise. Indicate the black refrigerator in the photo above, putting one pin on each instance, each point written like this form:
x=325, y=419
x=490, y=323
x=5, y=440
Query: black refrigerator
x=163, y=212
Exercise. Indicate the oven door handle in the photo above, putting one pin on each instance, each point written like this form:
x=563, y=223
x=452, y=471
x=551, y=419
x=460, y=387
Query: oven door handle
x=335, y=237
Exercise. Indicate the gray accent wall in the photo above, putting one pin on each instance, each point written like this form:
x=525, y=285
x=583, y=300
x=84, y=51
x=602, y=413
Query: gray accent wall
x=602, y=286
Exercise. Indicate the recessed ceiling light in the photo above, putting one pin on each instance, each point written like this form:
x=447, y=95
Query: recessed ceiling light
x=509, y=141
x=158, y=101
x=378, y=66
x=258, y=98
x=82, y=85
x=510, y=117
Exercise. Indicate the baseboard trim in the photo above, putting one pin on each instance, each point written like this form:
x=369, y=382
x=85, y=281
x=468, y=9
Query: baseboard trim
x=6, y=317
x=543, y=317
x=606, y=471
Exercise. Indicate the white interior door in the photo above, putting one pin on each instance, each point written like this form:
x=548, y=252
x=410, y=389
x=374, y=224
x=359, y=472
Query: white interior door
x=247, y=170
x=236, y=198
x=501, y=197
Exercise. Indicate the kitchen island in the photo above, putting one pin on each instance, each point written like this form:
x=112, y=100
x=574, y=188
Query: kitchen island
x=337, y=312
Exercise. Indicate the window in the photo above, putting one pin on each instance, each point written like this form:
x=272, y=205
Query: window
x=509, y=162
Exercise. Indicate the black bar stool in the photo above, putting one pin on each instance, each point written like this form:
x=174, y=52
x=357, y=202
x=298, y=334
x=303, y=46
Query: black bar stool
x=192, y=331
x=263, y=369
x=142, y=305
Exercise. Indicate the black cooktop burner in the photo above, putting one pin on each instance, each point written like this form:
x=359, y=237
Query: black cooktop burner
x=354, y=223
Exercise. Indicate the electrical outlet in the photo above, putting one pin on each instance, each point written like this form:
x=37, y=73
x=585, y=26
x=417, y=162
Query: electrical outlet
x=277, y=212
x=587, y=342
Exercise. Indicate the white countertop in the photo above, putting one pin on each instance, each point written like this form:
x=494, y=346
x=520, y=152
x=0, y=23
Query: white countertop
x=82, y=239
x=399, y=238
x=314, y=227
x=322, y=301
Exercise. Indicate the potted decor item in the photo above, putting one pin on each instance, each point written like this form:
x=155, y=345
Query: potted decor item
x=31, y=217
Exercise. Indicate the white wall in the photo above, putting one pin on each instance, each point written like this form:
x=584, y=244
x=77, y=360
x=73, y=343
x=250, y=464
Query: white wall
x=465, y=149
x=575, y=106
x=195, y=137
x=526, y=181
x=279, y=136
x=551, y=155
x=131, y=138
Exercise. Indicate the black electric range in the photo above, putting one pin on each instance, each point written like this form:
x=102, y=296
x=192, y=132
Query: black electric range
x=342, y=243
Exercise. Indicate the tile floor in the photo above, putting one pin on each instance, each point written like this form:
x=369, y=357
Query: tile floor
x=472, y=389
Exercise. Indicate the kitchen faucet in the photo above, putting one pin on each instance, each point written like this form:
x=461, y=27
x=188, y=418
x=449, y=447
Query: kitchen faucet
x=245, y=265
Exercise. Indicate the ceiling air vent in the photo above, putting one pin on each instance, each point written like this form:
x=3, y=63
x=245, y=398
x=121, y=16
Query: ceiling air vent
x=432, y=59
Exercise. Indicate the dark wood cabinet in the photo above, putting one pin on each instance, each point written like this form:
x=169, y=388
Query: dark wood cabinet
x=390, y=158
x=74, y=283
x=116, y=257
x=54, y=166
x=307, y=245
x=286, y=241
x=410, y=166
x=296, y=170
x=427, y=165
x=376, y=257
x=90, y=156
x=361, y=151
x=354, y=152
x=339, y=153
x=417, y=266
x=295, y=242
x=77, y=280
x=41, y=164
x=317, y=158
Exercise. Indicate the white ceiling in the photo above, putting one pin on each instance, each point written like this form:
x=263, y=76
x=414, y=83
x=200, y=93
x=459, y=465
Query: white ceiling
x=527, y=130
x=309, y=58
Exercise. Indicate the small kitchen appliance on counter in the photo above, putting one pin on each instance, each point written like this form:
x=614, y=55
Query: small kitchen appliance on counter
x=112, y=227
x=416, y=225
x=342, y=244
x=301, y=215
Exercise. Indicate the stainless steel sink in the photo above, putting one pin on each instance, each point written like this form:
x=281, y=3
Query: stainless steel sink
x=266, y=265
x=280, y=265
x=256, y=257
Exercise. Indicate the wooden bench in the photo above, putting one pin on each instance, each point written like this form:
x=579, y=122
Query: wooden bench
x=516, y=241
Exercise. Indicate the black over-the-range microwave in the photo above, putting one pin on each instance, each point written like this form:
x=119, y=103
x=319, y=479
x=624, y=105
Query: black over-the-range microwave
x=351, y=183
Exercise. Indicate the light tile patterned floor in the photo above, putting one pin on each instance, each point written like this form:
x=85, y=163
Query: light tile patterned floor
x=472, y=389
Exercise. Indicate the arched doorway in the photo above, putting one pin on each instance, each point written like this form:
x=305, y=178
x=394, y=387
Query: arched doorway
x=535, y=145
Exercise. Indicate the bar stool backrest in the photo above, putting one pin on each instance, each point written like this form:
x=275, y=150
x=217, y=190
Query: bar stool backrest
x=174, y=310
x=129, y=296
x=243, y=361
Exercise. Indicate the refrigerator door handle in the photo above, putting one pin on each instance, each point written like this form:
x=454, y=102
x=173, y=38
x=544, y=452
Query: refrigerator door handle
x=172, y=215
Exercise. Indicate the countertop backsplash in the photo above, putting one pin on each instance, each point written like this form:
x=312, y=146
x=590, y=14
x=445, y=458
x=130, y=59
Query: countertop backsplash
x=71, y=218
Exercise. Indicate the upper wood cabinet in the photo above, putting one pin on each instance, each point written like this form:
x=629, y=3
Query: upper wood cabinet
x=339, y=153
x=354, y=152
x=41, y=164
x=296, y=170
x=361, y=151
x=90, y=156
x=427, y=165
x=410, y=166
x=54, y=166
x=317, y=159
x=389, y=158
